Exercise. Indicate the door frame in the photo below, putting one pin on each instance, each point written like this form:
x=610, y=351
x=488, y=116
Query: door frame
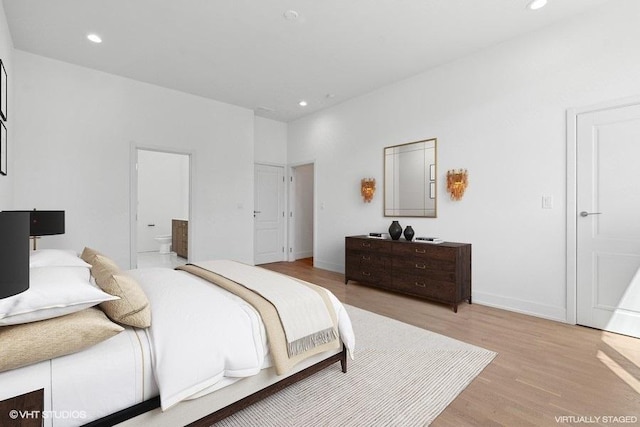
x=133, y=196
x=291, y=252
x=572, y=200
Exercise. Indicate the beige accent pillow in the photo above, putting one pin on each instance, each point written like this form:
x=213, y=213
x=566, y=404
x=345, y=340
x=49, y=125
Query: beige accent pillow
x=34, y=342
x=88, y=254
x=102, y=266
x=133, y=307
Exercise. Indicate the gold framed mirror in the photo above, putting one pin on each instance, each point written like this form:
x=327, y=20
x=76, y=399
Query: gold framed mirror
x=410, y=172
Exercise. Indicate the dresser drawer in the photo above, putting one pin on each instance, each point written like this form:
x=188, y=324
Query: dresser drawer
x=424, y=286
x=425, y=267
x=426, y=250
x=362, y=259
x=372, y=260
x=375, y=276
x=373, y=246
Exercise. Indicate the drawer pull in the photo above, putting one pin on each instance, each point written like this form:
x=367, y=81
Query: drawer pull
x=366, y=245
x=421, y=251
x=421, y=266
x=366, y=257
x=366, y=273
x=422, y=285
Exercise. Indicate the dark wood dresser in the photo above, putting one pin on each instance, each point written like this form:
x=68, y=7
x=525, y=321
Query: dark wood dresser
x=439, y=272
x=180, y=237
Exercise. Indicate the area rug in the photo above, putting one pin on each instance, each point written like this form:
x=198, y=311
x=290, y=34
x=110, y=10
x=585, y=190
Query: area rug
x=402, y=375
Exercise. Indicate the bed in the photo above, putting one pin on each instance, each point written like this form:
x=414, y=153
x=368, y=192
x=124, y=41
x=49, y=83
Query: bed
x=159, y=346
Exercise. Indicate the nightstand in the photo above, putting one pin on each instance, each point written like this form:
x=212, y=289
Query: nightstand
x=23, y=411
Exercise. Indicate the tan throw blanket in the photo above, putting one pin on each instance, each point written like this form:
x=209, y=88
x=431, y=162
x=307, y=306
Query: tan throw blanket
x=297, y=327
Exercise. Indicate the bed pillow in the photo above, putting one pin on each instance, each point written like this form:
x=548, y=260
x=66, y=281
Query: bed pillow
x=133, y=307
x=102, y=265
x=55, y=258
x=88, y=254
x=37, y=341
x=53, y=292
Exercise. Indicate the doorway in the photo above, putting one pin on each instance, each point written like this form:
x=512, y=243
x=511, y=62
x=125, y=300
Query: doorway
x=603, y=218
x=303, y=207
x=162, y=202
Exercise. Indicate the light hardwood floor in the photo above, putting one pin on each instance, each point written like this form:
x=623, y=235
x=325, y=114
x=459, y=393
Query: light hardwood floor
x=546, y=373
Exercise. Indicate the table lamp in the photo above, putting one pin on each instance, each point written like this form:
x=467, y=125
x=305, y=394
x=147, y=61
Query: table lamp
x=14, y=253
x=44, y=223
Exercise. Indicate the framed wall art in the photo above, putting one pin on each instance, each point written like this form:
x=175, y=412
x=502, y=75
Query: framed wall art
x=3, y=149
x=3, y=91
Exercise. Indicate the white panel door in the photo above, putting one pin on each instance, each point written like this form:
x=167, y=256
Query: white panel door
x=268, y=214
x=608, y=220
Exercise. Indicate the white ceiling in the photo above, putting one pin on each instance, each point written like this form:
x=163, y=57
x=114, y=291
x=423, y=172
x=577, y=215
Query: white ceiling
x=244, y=52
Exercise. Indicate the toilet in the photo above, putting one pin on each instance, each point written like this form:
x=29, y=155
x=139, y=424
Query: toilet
x=165, y=243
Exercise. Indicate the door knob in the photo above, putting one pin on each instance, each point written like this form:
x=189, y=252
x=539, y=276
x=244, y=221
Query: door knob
x=585, y=213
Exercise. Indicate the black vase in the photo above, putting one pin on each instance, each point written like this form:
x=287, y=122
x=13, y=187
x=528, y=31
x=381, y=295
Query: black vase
x=409, y=233
x=395, y=230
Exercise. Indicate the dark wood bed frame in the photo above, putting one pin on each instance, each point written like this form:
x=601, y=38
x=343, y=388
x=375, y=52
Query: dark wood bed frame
x=220, y=414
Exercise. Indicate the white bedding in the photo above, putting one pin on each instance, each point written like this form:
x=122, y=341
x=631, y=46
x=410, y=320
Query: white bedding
x=202, y=339
x=81, y=387
x=105, y=378
x=303, y=313
x=190, y=354
x=198, y=336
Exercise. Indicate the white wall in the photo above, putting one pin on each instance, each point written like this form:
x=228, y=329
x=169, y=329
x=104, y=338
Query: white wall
x=303, y=211
x=163, y=195
x=74, y=131
x=270, y=141
x=6, y=54
x=499, y=113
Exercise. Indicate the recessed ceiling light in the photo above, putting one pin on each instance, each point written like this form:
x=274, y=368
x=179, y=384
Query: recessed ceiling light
x=291, y=15
x=302, y=103
x=537, y=4
x=94, y=38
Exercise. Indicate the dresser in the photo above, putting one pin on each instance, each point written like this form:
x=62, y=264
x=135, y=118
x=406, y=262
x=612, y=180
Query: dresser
x=438, y=272
x=180, y=237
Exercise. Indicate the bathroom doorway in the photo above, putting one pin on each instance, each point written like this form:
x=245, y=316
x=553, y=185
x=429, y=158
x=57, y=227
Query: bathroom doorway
x=162, y=188
x=302, y=221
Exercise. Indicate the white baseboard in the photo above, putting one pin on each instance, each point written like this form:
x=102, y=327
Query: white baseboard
x=336, y=268
x=304, y=254
x=558, y=314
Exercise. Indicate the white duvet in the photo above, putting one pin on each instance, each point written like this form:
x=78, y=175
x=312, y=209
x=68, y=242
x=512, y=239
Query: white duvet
x=201, y=335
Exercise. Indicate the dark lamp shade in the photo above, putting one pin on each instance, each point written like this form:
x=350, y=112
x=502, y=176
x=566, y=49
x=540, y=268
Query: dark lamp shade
x=46, y=223
x=14, y=253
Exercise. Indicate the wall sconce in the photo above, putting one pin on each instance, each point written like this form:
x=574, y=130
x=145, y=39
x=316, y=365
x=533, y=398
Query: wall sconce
x=457, y=181
x=368, y=188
